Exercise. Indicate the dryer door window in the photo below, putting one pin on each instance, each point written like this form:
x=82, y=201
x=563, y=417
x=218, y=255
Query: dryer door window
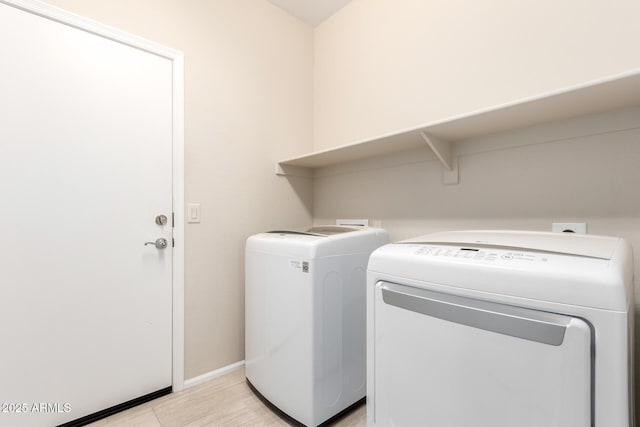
x=445, y=360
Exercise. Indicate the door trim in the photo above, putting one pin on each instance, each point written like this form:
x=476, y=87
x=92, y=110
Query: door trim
x=177, y=59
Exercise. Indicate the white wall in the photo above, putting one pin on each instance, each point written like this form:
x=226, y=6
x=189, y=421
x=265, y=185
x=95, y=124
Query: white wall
x=248, y=102
x=386, y=65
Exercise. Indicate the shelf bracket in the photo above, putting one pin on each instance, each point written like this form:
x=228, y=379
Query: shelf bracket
x=444, y=152
x=288, y=170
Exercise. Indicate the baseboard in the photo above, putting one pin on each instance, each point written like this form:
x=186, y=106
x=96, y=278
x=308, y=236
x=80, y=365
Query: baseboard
x=191, y=382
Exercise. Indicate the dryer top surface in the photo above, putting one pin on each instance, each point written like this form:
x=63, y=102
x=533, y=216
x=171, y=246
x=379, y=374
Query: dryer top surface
x=587, y=271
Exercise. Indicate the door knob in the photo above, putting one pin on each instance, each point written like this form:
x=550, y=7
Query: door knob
x=160, y=243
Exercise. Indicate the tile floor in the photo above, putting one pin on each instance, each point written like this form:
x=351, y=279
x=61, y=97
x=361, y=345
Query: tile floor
x=224, y=401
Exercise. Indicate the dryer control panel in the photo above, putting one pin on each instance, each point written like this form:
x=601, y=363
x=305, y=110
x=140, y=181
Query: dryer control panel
x=502, y=257
x=480, y=254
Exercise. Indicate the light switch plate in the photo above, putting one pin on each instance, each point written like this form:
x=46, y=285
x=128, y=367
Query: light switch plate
x=193, y=213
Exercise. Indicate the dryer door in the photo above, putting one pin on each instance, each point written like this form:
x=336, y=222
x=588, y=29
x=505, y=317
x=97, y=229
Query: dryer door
x=448, y=361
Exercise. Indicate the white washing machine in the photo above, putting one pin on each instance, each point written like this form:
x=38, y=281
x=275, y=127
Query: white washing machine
x=500, y=329
x=305, y=313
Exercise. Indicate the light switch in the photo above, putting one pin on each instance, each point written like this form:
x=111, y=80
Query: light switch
x=193, y=212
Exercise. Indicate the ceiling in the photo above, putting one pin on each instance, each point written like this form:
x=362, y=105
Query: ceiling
x=311, y=11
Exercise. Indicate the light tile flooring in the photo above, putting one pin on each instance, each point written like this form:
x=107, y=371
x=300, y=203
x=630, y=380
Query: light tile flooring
x=224, y=401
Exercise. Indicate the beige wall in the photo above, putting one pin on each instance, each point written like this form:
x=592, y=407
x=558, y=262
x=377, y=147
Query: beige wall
x=580, y=170
x=386, y=65
x=382, y=66
x=248, y=102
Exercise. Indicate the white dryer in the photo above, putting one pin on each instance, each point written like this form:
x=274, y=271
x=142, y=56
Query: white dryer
x=500, y=329
x=305, y=313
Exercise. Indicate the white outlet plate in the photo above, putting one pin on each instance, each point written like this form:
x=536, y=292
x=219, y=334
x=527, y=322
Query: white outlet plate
x=575, y=227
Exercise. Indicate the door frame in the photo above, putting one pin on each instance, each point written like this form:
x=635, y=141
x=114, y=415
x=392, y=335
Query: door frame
x=177, y=59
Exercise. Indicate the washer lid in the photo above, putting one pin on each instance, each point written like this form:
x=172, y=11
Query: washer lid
x=565, y=243
x=320, y=230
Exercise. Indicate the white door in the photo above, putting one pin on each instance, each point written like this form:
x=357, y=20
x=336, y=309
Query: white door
x=448, y=361
x=85, y=168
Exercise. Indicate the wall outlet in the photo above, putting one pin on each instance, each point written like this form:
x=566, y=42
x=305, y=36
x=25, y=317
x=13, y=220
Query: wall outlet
x=569, y=227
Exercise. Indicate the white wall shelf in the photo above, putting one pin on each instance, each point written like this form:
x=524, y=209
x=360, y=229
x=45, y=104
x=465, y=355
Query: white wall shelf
x=598, y=96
